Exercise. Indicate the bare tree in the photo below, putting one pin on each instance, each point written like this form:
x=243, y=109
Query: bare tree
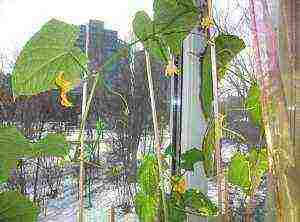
x=125, y=107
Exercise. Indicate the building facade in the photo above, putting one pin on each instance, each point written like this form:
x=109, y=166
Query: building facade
x=102, y=43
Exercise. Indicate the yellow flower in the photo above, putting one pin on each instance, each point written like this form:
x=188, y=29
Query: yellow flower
x=64, y=86
x=207, y=23
x=171, y=69
x=180, y=185
x=64, y=100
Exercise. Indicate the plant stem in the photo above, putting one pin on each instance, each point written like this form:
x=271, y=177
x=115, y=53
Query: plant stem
x=156, y=134
x=81, y=139
x=82, y=127
x=82, y=171
x=84, y=118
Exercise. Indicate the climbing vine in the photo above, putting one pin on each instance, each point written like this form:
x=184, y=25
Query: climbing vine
x=51, y=61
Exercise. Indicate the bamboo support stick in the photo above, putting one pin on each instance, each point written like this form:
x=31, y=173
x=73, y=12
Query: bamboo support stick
x=156, y=134
x=83, y=109
x=112, y=214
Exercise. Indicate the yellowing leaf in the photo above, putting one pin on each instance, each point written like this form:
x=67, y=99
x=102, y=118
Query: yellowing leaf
x=179, y=185
x=64, y=86
x=62, y=83
x=64, y=100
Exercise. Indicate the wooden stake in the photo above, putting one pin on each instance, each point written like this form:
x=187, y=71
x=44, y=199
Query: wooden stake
x=83, y=107
x=112, y=214
x=126, y=219
x=156, y=133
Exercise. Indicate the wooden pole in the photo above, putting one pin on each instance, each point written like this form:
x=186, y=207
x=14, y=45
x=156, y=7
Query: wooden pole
x=126, y=219
x=156, y=133
x=83, y=107
x=112, y=214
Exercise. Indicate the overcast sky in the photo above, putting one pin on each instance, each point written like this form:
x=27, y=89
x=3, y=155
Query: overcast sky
x=20, y=19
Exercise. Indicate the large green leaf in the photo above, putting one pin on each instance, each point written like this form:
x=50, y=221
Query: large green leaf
x=253, y=104
x=227, y=47
x=15, y=146
x=48, y=52
x=191, y=157
x=258, y=160
x=145, y=30
x=246, y=171
x=148, y=176
x=175, y=20
x=198, y=202
x=239, y=172
x=16, y=208
x=176, y=209
x=146, y=206
x=54, y=144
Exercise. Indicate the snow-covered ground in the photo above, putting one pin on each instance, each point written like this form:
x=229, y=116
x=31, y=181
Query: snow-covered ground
x=65, y=208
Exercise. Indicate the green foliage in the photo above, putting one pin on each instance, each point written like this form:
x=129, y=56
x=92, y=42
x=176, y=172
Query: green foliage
x=190, y=157
x=253, y=104
x=116, y=171
x=148, y=175
x=199, y=203
x=54, y=144
x=176, y=210
x=170, y=151
x=258, y=160
x=175, y=20
x=147, y=200
x=50, y=51
x=88, y=151
x=239, y=172
x=100, y=126
x=208, y=149
x=146, y=206
x=15, y=146
x=227, y=47
x=247, y=171
x=144, y=29
x=16, y=208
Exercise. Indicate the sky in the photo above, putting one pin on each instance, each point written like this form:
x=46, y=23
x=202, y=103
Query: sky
x=20, y=19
